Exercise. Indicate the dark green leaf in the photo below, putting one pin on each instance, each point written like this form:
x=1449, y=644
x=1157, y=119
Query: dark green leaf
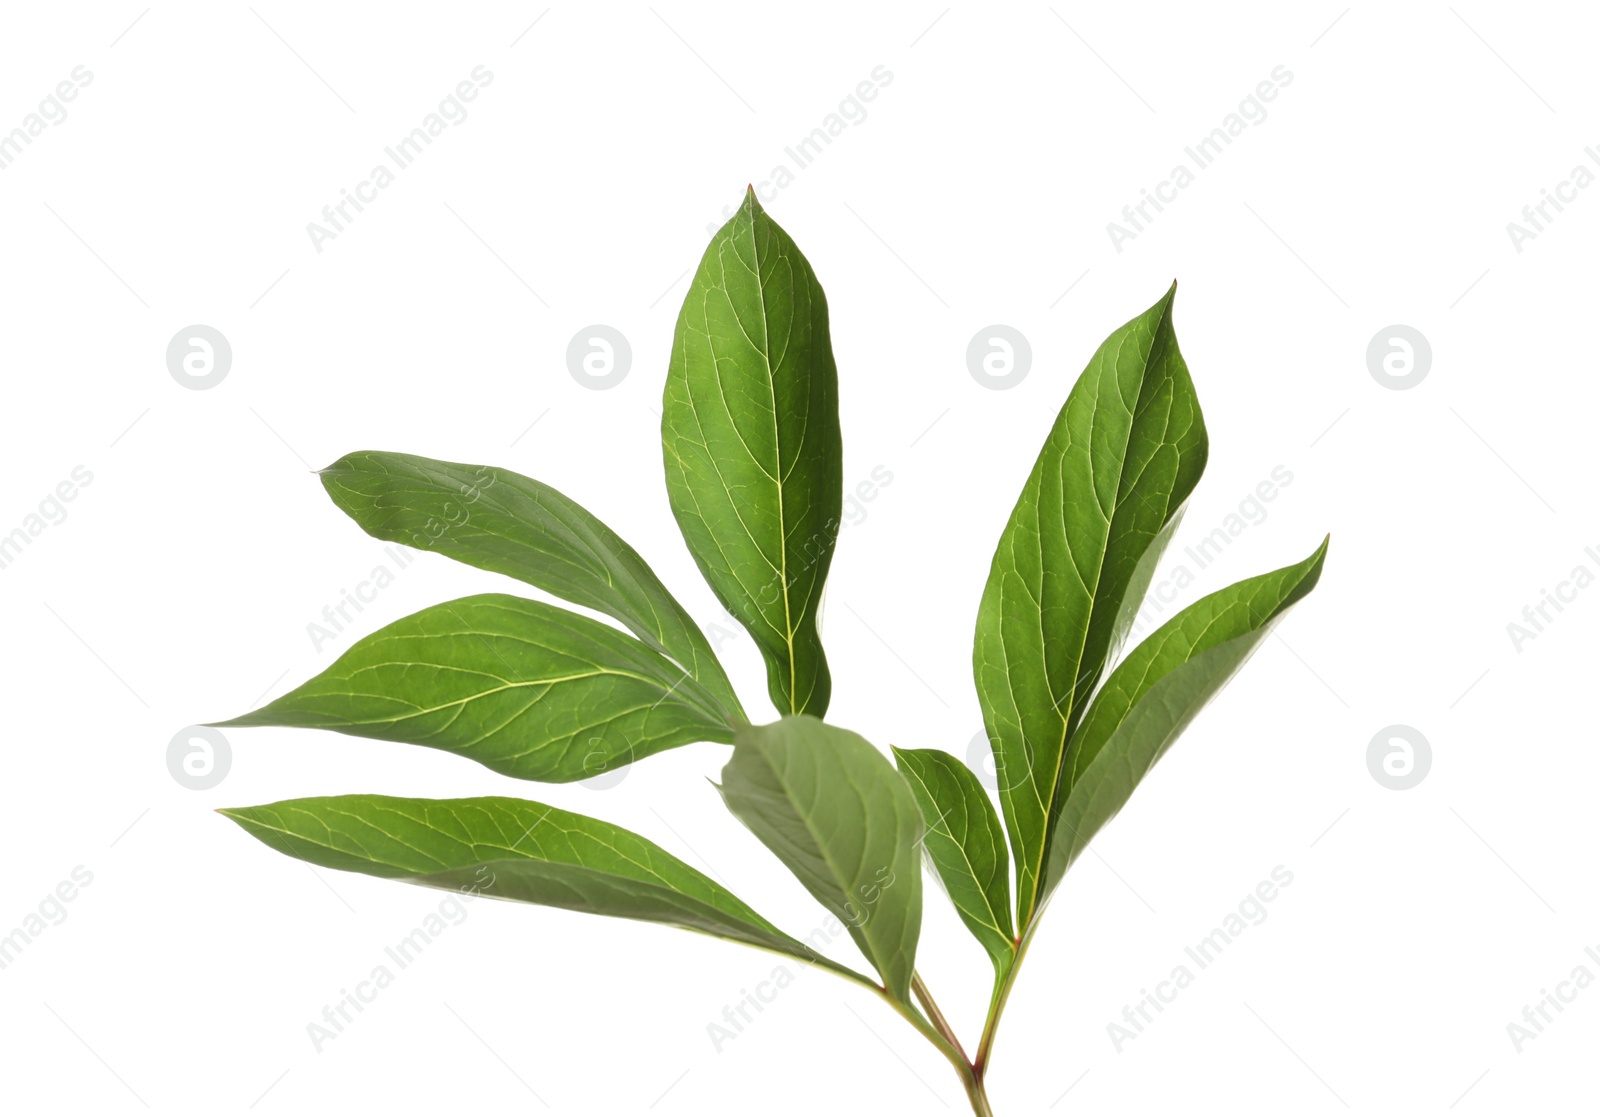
x=750, y=433
x=842, y=819
x=512, y=849
x=965, y=843
x=1152, y=696
x=503, y=522
x=522, y=687
x=1126, y=450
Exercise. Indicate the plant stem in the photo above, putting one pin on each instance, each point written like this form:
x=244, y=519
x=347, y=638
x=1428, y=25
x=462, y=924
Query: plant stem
x=1005, y=978
x=979, y=1099
x=934, y=1015
x=971, y=1076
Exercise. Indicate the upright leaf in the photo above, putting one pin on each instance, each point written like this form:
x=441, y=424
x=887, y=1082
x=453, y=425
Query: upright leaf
x=840, y=817
x=1126, y=450
x=525, y=688
x=503, y=522
x=512, y=849
x=750, y=433
x=1152, y=696
x=965, y=843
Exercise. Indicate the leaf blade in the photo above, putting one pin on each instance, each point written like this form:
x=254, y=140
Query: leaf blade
x=500, y=521
x=1127, y=448
x=512, y=849
x=750, y=438
x=838, y=815
x=524, y=688
x=966, y=845
x=1156, y=691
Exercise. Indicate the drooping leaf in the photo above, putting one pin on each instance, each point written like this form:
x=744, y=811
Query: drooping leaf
x=503, y=522
x=965, y=843
x=842, y=819
x=525, y=688
x=1154, y=693
x=750, y=434
x=512, y=849
x=1126, y=450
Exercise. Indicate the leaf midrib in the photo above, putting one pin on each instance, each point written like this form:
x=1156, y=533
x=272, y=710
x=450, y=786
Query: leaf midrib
x=777, y=453
x=1038, y=864
x=656, y=880
x=816, y=840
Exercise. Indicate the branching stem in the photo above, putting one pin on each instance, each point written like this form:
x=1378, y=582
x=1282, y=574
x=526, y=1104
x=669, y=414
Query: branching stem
x=938, y=1031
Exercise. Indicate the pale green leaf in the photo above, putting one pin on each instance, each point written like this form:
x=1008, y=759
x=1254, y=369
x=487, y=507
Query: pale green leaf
x=841, y=818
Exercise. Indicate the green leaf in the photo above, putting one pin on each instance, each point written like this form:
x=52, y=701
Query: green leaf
x=525, y=688
x=1152, y=696
x=965, y=843
x=842, y=819
x=1126, y=450
x=506, y=523
x=750, y=434
x=513, y=849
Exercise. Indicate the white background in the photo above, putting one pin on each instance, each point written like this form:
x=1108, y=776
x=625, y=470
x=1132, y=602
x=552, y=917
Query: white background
x=976, y=191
